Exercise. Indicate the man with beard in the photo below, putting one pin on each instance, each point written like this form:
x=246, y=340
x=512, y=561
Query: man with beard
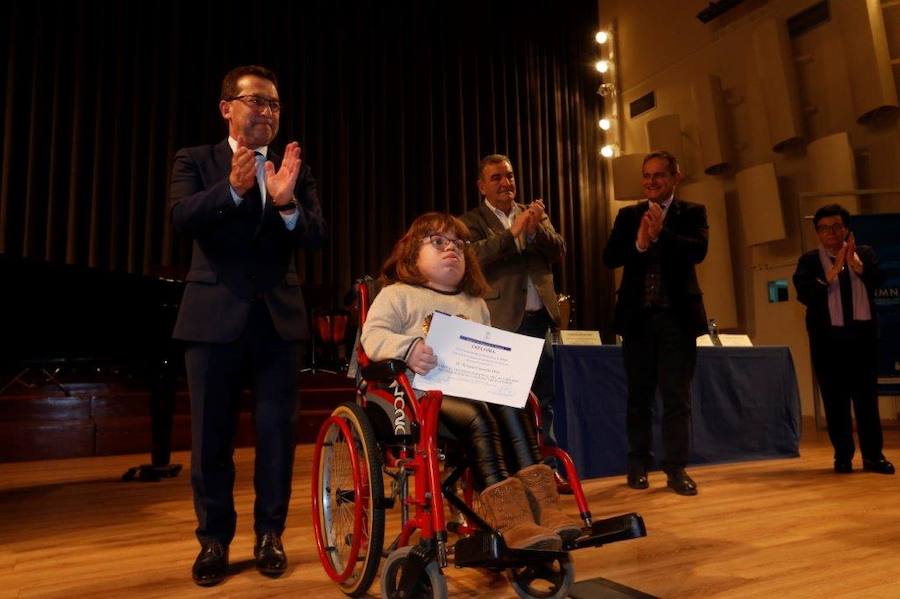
x=247, y=210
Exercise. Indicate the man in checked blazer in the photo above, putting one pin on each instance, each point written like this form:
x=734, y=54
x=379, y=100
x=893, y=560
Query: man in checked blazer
x=517, y=247
x=247, y=210
x=659, y=313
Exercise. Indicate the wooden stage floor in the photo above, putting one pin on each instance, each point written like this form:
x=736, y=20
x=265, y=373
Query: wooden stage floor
x=777, y=528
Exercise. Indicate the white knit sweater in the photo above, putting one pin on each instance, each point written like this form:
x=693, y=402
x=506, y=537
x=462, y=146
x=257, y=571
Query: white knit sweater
x=401, y=314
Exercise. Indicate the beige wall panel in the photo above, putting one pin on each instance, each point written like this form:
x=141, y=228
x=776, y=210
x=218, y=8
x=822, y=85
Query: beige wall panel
x=833, y=166
x=778, y=82
x=664, y=133
x=872, y=84
x=712, y=125
x=823, y=81
x=715, y=272
x=760, y=201
x=627, y=177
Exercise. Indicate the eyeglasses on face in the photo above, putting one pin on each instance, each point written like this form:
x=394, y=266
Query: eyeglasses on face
x=440, y=242
x=258, y=103
x=835, y=228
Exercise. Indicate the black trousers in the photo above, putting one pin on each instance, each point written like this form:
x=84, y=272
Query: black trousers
x=501, y=440
x=215, y=378
x=536, y=324
x=845, y=360
x=660, y=351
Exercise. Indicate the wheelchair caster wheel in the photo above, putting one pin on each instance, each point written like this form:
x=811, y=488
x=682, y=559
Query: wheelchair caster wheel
x=550, y=580
x=431, y=586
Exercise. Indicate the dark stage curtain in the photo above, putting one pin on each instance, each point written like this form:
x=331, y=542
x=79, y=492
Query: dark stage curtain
x=392, y=102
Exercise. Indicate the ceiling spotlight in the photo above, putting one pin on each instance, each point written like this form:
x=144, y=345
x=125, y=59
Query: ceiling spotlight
x=602, y=66
x=604, y=124
x=602, y=37
x=607, y=151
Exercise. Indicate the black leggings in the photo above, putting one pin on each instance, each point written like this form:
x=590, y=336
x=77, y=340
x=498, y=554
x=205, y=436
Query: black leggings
x=502, y=439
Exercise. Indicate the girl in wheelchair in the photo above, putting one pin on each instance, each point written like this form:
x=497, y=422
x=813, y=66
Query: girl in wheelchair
x=432, y=268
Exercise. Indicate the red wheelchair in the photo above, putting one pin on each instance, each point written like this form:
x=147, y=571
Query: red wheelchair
x=390, y=440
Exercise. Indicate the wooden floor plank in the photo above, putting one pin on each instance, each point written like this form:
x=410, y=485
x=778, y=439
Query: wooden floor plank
x=775, y=528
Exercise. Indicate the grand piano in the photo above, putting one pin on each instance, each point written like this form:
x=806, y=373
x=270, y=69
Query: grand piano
x=67, y=330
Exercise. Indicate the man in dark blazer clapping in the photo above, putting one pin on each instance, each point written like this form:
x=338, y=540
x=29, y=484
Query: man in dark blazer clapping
x=247, y=210
x=659, y=313
x=836, y=282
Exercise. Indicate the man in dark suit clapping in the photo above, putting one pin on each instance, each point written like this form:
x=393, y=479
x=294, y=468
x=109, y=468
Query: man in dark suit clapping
x=247, y=210
x=659, y=313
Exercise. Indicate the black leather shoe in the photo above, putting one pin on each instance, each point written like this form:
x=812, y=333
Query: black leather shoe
x=211, y=564
x=637, y=477
x=680, y=482
x=881, y=466
x=843, y=466
x=271, y=559
x=562, y=485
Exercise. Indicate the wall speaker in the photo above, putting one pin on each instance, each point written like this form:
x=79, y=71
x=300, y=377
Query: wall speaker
x=715, y=273
x=664, y=133
x=712, y=129
x=760, y=201
x=778, y=83
x=865, y=44
x=627, y=177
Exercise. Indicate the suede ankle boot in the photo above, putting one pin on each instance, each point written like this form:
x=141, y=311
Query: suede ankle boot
x=540, y=487
x=506, y=508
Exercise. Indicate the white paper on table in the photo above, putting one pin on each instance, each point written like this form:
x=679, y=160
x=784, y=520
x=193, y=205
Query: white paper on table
x=727, y=339
x=480, y=362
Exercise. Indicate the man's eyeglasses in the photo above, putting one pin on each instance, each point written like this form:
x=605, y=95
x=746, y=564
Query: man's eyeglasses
x=440, y=243
x=258, y=103
x=835, y=228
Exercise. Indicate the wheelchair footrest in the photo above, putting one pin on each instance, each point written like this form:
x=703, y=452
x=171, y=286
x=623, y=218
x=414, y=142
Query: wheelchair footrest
x=611, y=530
x=485, y=549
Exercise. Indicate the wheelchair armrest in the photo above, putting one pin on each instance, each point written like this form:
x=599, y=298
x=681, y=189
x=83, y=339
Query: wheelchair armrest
x=384, y=371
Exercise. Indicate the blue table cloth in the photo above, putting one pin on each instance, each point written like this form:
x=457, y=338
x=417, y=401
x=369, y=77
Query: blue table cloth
x=745, y=406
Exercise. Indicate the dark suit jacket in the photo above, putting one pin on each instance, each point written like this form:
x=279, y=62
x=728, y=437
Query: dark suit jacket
x=507, y=269
x=682, y=244
x=234, y=256
x=812, y=291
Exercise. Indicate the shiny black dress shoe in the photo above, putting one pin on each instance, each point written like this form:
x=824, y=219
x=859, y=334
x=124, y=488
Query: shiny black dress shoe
x=881, y=466
x=271, y=559
x=843, y=466
x=637, y=477
x=680, y=482
x=211, y=564
x=562, y=485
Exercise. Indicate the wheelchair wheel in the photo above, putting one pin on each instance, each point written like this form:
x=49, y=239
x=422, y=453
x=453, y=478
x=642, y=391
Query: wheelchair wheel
x=347, y=492
x=551, y=580
x=432, y=586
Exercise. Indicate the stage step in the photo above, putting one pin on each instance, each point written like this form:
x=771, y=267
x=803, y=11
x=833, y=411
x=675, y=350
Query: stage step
x=112, y=418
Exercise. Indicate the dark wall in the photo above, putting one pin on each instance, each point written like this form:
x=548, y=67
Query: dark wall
x=392, y=102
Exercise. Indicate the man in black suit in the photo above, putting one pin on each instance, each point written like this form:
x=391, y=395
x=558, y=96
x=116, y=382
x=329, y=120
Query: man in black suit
x=836, y=282
x=247, y=210
x=659, y=314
